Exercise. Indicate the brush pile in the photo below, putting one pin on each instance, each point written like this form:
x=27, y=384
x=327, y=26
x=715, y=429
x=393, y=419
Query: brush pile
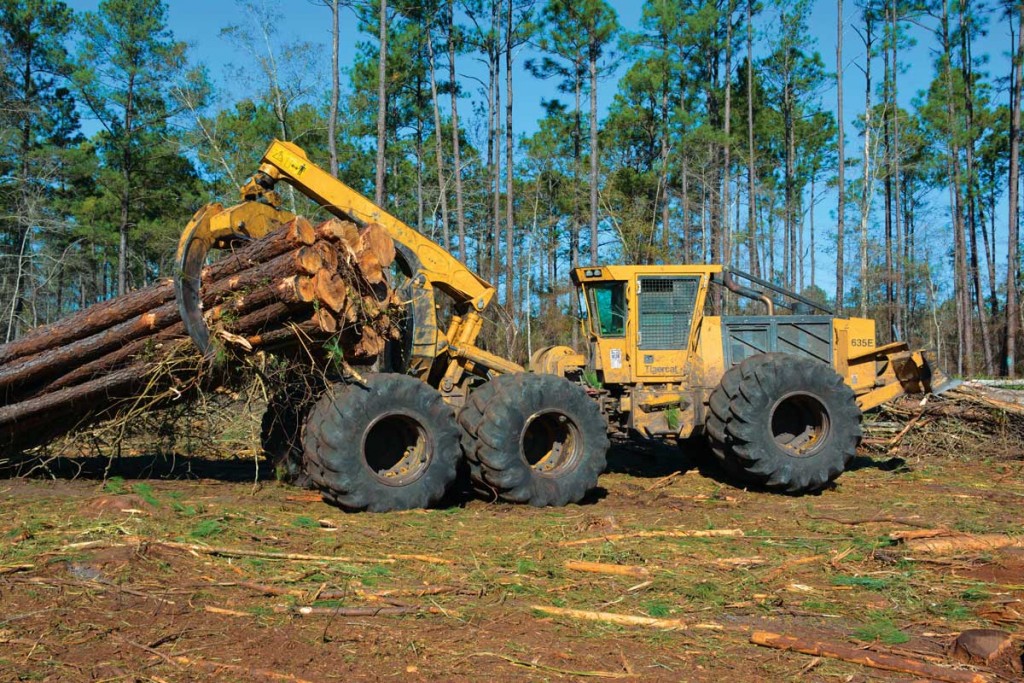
x=991, y=418
x=300, y=287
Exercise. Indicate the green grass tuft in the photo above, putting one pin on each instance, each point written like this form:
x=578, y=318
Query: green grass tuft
x=658, y=609
x=114, y=486
x=881, y=628
x=207, y=528
x=145, y=492
x=868, y=582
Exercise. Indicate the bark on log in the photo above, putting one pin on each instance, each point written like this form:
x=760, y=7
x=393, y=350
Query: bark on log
x=21, y=378
x=96, y=318
x=295, y=233
x=103, y=315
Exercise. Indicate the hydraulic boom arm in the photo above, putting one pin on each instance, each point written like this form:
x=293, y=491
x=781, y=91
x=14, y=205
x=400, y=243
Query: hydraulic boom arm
x=428, y=265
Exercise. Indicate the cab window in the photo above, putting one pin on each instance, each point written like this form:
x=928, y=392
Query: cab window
x=608, y=307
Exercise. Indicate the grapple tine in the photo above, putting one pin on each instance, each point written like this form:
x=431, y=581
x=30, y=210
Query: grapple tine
x=193, y=246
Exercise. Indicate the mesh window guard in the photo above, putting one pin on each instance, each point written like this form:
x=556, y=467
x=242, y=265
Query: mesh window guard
x=666, y=311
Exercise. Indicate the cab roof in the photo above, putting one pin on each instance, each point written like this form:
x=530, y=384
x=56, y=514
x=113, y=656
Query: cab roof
x=616, y=272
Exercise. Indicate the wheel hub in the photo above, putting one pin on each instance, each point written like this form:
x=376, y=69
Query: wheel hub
x=551, y=443
x=800, y=424
x=397, y=449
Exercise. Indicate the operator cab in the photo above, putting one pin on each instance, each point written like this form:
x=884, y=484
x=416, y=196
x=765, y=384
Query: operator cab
x=645, y=323
x=641, y=319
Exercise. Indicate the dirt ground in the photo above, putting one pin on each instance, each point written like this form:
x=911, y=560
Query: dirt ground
x=177, y=571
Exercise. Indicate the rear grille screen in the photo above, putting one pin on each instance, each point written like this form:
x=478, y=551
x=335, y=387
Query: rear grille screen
x=666, y=311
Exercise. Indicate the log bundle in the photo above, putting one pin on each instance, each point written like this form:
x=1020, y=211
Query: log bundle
x=300, y=287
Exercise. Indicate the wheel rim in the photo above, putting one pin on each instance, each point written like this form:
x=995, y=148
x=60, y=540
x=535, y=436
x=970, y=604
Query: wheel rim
x=551, y=443
x=800, y=424
x=397, y=448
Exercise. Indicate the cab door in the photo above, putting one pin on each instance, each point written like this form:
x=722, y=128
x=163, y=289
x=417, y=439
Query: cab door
x=610, y=327
x=666, y=310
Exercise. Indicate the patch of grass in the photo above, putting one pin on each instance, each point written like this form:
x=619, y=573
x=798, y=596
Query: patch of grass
x=658, y=609
x=974, y=593
x=950, y=610
x=305, y=523
x=869, y=582
x=145, y=492
x=184, y=510
x=880, y=628
x=114, y=486
x=329, y=603
x=704, y=592
x=369, y=576
x=524, y=566
x=207, y=529
x=820, y=606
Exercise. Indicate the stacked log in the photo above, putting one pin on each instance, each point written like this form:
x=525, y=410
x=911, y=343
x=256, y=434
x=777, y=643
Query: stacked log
x=297, y=288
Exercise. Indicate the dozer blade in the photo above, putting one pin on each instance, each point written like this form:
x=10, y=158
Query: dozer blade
x=904, y=372
x=933, y=378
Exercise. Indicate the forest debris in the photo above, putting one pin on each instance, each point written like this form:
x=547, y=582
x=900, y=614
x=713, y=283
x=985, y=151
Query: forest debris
x=243, y=672
x=14, y=568
x=918, y=533
x=963, y=543
x=383, y=611
x=785, y=566
x=555, y=669
x=698, y=533
x=227, y=612
x=624, y=619
x=604, y=568
x=906, y=521
x=875, y=660
x=227, y=552
x=731, y=563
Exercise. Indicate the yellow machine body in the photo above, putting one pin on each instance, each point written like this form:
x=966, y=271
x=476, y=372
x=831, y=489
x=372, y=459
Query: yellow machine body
x=656, y=353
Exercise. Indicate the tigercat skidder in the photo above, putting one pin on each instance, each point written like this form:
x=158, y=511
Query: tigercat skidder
x=778, y=393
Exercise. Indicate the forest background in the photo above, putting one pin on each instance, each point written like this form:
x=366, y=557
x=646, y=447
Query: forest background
x=865, y=154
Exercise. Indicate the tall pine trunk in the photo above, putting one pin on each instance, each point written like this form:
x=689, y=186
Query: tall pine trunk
x=509, y=159
x=868, y=185
x=727, y=162
x=460, y=211
x=755, y=267
x=332, y=120
x=594, y=152
x=841, y=176
x=1013, y=223
x=382, y=105
x=965, y=327
x=442, y=185
x=972, y=194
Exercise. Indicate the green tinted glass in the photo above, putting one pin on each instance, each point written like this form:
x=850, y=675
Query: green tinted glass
x=608, y=303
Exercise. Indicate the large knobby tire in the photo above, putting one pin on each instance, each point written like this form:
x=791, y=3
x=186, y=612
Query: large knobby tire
x=281, y=433
x=536, y=439
x=389, y=443
x=786, y=422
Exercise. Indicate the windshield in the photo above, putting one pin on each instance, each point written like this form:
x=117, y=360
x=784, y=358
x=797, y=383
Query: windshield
x=608, y=307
